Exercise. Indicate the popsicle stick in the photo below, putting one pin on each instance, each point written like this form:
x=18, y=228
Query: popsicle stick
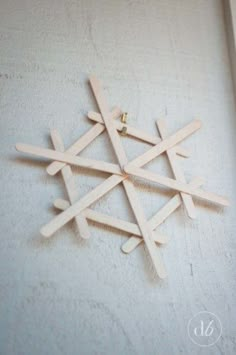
x=59, y=221
x=177, y=171
x=70, y=159
x=129, y=188
x=166, y=144
x=68, y=179
x=106, y=115
x=145, y=230
x=120, y=224
x=82, y=142
x=61, y=204
x=159, y=217
x=110, y=221
x=176, y=185
x=137, y=133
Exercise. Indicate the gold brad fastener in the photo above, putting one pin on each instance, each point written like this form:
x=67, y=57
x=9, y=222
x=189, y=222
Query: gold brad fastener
x=124, y=120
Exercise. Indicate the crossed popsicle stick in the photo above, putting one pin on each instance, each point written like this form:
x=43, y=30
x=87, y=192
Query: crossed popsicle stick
x=121, y=173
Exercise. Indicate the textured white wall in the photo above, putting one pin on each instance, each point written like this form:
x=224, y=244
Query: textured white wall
x=160, y=58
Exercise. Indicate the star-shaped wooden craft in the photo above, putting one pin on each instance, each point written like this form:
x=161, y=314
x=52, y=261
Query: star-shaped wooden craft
x=122, y=173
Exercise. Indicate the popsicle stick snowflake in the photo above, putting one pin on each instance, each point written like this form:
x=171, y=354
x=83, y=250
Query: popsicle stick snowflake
x=121, y=173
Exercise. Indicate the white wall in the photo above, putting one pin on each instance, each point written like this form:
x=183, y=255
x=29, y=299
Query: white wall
x=160, y=58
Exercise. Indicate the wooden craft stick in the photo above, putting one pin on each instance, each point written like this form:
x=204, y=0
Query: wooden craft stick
x=70, y=159
x=129, y=188
x=68, y=179
x=166, y=144
x=110, y=221
x=145, y=230
x=159, y=217
x=137, y=133
x=177, y=171
x=82, y=143
x=106, y=115
x=176, y=185
x=61, y=204
x=59, y=221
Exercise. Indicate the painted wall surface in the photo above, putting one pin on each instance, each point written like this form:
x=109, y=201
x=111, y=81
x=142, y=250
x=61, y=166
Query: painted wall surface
x=160, y=58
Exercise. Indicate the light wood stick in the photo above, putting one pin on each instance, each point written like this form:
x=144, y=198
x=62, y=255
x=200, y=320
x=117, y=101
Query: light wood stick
x=129, y=188
x=166, y=144
x=106, y=115
x=159, y=217
x=68, y=179
x=176, y=185
x=145, y=229
x=110, y=221
x=137, y=133
x=65, y=216
x=70, y=159
x=61, y=204
x=177, y=171
x=82, y=143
